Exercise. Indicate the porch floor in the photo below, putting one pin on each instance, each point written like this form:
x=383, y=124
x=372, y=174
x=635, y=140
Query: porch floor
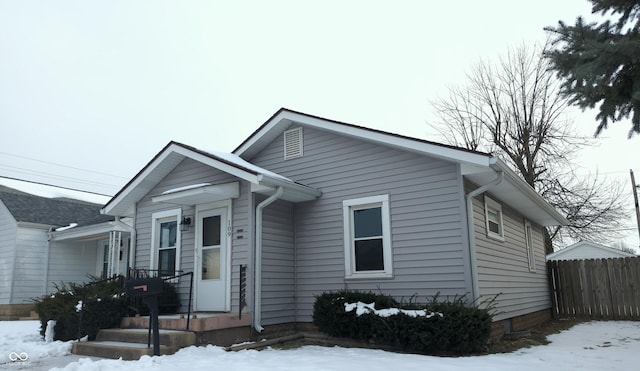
x=199, y=322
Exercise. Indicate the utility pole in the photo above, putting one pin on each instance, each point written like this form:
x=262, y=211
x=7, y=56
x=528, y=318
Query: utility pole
x=635, y=198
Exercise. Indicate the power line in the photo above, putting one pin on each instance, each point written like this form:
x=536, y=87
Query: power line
x=53, y=185
x=54, y=176
x=56, y=164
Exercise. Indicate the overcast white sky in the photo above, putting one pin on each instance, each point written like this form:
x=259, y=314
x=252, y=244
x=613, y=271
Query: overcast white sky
x=104, y=85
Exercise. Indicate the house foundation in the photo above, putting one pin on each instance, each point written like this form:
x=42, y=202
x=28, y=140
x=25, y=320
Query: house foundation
x=11, y=312
x=518, y=324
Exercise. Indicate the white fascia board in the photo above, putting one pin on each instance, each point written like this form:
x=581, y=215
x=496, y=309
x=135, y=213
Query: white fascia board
x=89, y=230
x=135, y=183
x=398, y=141
x=276, y=120
x=36, y=225
x=529, y=192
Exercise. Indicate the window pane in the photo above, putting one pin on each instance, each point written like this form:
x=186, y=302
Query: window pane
x=211, y=264
x=369, y=255
x=367, y=222
x=167, y=262
x=494, y=227
x=211, y=231
x=492, y=216
x=168, y=232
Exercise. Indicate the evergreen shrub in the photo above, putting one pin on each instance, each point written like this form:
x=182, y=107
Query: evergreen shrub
x=453, y=328
x=105, y=304
x=168, y=301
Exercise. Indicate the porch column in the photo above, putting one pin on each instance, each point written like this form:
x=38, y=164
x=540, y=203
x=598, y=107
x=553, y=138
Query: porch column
x=115, y=238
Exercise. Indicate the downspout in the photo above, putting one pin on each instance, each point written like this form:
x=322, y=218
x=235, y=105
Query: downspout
x=257, y=301
x=46, y=259
x=472, y=240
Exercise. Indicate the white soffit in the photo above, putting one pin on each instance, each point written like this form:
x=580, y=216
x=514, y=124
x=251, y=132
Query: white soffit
x=199, y=194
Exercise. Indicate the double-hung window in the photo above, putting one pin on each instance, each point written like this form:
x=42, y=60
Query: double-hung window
x=367, y=237
x=528, y=239
x=166, y=242
x=493, y=217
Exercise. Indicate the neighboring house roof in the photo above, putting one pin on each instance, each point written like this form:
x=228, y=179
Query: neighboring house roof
x=173, y=153
x=60, y=212
x=588, y=250
x=478, y=167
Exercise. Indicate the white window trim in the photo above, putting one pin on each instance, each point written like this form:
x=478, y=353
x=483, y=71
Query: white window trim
x=155, y=217
x=490, y=204
x=528, y=242
x=347, y=218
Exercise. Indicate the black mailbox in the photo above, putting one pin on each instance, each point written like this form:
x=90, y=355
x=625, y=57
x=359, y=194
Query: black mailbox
x=144, y=287
x=148, y=289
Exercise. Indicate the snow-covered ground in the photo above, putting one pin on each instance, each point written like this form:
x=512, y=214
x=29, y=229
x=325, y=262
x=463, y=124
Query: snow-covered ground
x=589, y=346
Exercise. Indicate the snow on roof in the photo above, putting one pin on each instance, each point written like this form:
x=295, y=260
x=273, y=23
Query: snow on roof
x=239, y=161
x=71, y=225
x=186, y=188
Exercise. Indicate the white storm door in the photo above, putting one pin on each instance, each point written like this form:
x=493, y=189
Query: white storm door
x=211, y=263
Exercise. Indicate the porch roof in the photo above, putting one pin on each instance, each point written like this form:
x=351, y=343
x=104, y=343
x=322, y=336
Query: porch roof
x=262, y=181
x=90, y=232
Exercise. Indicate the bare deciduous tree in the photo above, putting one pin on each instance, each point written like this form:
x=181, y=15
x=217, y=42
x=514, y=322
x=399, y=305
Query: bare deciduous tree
x=512, y=109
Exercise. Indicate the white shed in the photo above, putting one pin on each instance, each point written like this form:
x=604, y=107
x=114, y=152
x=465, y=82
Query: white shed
x=588, y=250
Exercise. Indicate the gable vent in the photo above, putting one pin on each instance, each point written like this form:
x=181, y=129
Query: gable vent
x=293, y=143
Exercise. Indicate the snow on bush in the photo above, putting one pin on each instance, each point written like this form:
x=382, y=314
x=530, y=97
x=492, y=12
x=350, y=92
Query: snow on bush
x=363, y=308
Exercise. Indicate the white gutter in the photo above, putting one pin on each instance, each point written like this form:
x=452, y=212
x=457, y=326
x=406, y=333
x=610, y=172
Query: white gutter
x=257, y=301
x=529, y=191
x=472, y=240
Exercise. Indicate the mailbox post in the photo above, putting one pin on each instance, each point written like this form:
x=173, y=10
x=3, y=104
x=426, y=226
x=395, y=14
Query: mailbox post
x=148, y=289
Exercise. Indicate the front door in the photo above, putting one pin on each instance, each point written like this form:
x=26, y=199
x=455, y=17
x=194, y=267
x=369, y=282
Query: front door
x=211, y=269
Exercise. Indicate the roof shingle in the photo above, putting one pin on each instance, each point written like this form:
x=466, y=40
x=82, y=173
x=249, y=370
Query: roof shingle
x=59, y=212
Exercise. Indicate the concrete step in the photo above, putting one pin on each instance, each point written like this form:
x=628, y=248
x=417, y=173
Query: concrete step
x=171, y=338
x=131, y=344
x=198, y=322
x=116, y=349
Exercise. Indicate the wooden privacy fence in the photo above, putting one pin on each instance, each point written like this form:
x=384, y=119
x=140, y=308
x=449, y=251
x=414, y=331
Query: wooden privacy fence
x=599, y=288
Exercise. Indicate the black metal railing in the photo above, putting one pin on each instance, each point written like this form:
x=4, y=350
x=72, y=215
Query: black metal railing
x=174, y=278
x=242, y=297
x=137, y=274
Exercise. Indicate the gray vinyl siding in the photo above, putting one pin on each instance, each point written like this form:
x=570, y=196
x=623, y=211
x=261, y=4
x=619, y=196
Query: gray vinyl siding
x=190, y=172
x=278, y=272
x=30, y=262
x=242, y=235
x=503, y=267
x=71, y=261
x=428, y=234
x=8, y=227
